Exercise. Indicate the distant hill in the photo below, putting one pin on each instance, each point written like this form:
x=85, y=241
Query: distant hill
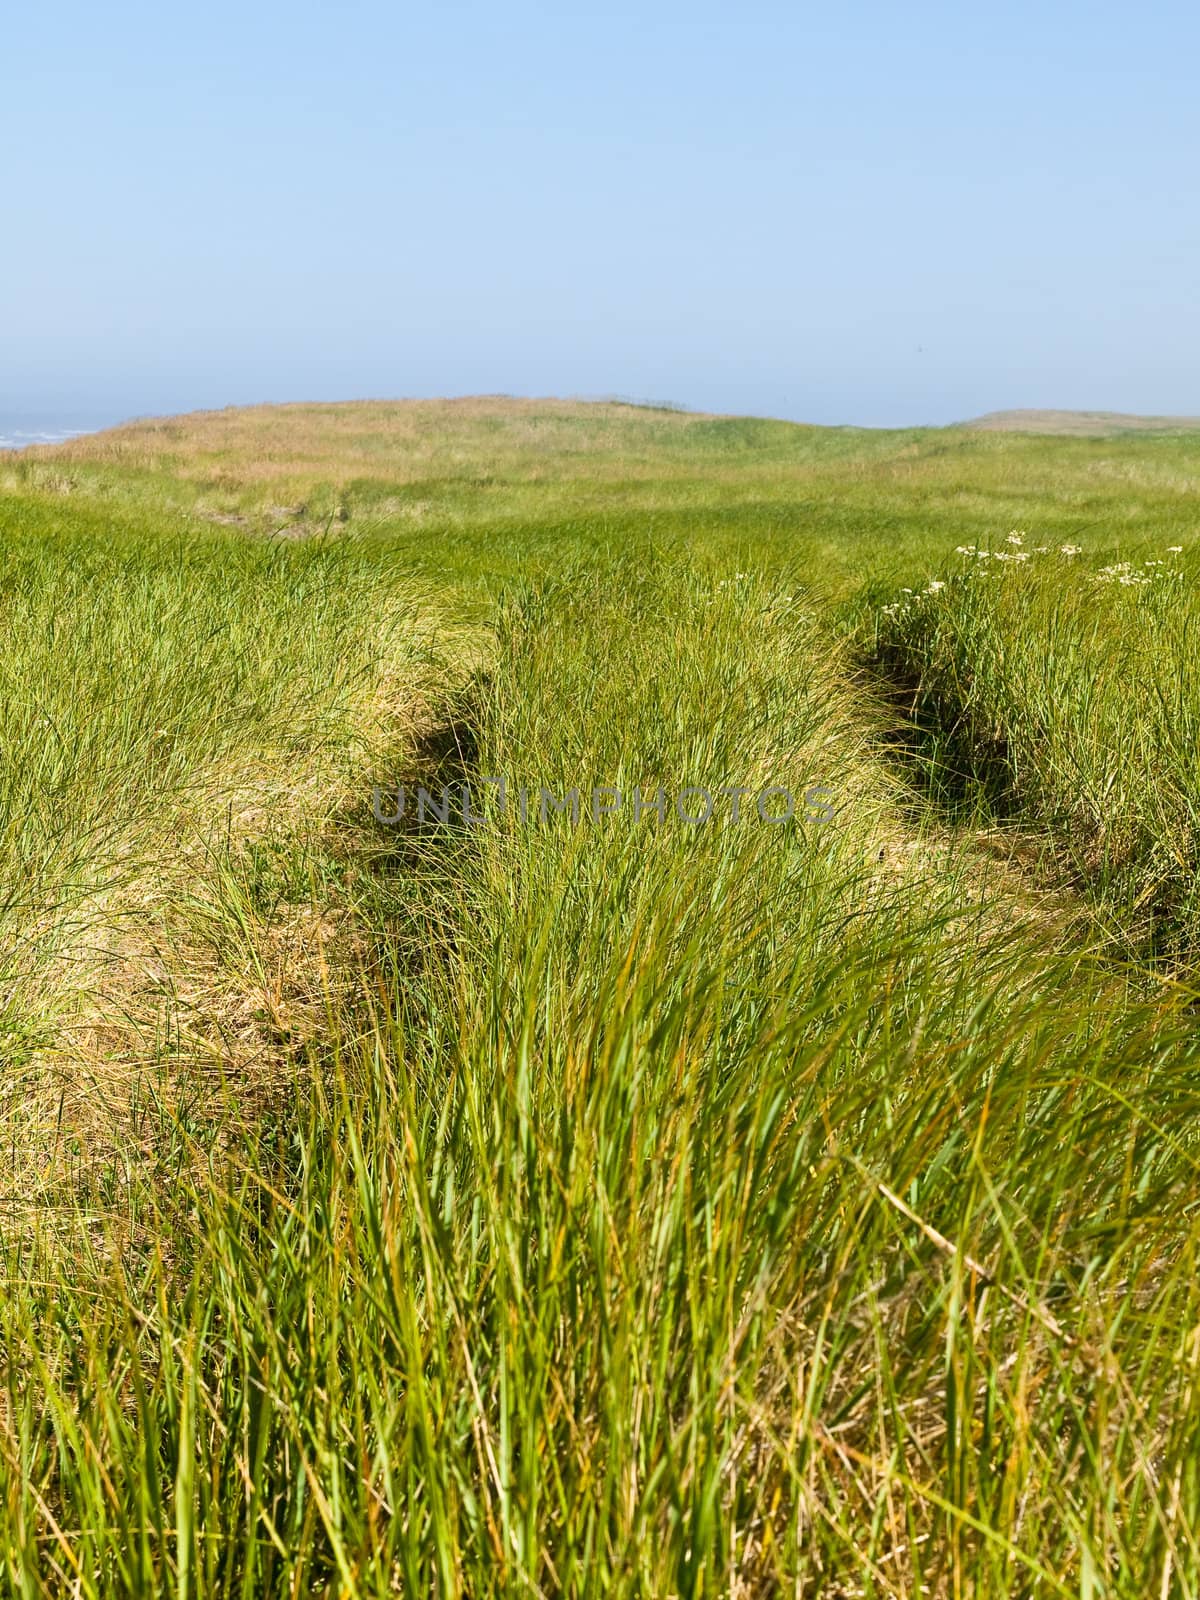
x=1095, y=424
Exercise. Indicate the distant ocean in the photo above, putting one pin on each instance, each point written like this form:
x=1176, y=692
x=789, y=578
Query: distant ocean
x=19, y=429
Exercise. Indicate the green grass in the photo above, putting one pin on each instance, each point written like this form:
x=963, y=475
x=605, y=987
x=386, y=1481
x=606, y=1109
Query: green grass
x=1062, y=692
x=165, y=699
x=635, y=1207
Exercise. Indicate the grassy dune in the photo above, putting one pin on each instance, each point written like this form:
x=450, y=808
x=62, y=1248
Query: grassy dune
x=633, y=1206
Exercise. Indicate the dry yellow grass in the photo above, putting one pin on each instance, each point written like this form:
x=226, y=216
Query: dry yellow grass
x=400, y=439
x=1080, y=424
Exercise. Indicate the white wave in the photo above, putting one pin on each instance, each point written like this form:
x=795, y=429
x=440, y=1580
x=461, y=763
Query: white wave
x=21, y=438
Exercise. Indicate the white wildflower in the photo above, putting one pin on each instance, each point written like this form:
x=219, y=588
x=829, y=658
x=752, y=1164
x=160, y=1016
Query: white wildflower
x=1069, y=549
x=1120, y=572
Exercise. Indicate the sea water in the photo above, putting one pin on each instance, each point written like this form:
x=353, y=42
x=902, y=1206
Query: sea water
x=19, y=429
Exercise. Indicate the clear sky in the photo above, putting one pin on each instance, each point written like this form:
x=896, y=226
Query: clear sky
x=870, y=213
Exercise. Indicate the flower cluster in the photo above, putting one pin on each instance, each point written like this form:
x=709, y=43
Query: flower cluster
x=1016, y=538
x=1121, y=572
x=1124, y=572
x=900, y=608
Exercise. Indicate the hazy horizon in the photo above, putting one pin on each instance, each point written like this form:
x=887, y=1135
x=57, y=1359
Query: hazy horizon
x=19, y=430
x=64, y=418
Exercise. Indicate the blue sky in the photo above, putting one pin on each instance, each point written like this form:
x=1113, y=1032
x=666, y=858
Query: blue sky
x=864, y=213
